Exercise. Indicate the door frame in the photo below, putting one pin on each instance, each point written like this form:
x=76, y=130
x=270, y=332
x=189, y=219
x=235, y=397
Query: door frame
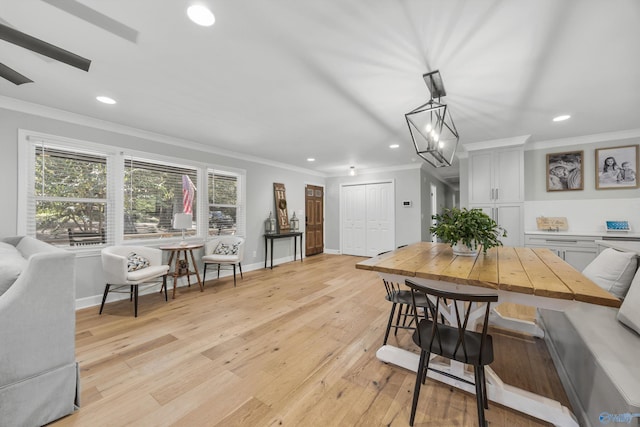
x=391, y=181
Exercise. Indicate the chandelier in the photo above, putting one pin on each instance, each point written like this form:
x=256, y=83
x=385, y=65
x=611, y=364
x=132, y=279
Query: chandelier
x=432, y=130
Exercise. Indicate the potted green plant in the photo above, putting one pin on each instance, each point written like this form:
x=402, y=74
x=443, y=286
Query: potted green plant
x=466, y=229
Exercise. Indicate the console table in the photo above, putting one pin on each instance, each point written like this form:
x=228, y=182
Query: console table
x=272, y=237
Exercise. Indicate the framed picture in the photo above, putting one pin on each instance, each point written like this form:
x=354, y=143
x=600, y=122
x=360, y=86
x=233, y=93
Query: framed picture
x=564, y=171
x=616, y=167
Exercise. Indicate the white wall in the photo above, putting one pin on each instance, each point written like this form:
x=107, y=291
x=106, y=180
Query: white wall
x=259, y=181
x=586, y=210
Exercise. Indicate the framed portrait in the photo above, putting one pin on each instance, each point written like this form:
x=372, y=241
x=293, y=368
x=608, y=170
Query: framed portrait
x=616, y=167
x=564, y=171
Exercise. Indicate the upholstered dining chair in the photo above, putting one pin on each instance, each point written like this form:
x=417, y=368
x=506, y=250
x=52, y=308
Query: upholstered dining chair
x=453, y=337
x=224, y=251
x=126, y=268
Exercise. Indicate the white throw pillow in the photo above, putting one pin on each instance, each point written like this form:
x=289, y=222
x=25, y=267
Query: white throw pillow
x=613, y=271
x=629, y=312
x=136, y=262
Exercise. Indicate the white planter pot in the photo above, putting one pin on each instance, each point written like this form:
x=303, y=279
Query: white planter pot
x=464, y=250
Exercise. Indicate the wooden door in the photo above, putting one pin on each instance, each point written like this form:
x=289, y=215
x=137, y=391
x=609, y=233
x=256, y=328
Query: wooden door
x=314, y=223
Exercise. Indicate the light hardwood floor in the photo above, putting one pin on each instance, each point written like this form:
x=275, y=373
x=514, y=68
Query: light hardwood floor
x=292, y=346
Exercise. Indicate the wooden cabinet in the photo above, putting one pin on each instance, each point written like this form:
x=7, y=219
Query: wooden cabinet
x=496, y=185
x=578, y=251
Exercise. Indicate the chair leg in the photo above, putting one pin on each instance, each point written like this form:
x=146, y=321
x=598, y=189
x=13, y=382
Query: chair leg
x=240, y=267
x=386, y=334
x=164, y=285
x=416, y=390
x=479, y=396
x=204, y=274
x=484, y=388
x=131, y=293
x=104, y=297
x=218, y=271
x=135, y=301
x=234, y=275
x=395, y=332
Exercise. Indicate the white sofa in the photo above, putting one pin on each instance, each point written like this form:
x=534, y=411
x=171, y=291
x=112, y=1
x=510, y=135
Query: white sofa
x=39, y=378
x=596, y=356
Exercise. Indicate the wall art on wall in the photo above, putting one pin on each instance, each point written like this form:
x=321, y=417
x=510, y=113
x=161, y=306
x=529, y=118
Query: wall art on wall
x=564, y=171
x=616, y=167
x=282, y=214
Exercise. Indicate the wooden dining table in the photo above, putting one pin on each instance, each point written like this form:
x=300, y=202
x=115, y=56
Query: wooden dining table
x=533, y=277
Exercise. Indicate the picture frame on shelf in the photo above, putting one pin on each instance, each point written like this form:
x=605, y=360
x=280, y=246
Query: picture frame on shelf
x=616, y=167
x=564, y=171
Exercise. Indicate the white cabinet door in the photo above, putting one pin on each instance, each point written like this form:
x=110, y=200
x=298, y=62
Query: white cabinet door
x=480, y=178
x=508, y=175
x=510, y=217
x=579, y=258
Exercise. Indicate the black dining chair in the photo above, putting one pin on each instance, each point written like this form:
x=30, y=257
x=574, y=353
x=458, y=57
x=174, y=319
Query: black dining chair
x=453, y=340
x=402, y=301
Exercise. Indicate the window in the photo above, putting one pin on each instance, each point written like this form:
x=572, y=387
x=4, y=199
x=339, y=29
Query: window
x=70, y=196
x=226, y=215
x=153, y=193
x=80, y=194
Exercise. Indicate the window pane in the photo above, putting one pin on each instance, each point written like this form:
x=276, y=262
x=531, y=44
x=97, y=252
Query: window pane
x=68, y=174
x=224, y=189
x=222, y=220
x=56, y=220
x=154, y=192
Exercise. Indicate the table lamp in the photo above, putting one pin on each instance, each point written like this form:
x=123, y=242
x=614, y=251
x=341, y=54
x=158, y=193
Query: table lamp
x=182, y=221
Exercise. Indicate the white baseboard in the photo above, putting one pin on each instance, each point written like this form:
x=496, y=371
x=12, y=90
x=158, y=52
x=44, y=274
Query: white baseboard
x=332, y=251
x=96, y=300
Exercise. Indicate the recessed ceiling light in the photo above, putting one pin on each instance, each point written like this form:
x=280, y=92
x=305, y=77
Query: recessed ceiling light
x=311, y=159
x=201, y=15
x=561, y=118
x=106, y=100
x=394, y=146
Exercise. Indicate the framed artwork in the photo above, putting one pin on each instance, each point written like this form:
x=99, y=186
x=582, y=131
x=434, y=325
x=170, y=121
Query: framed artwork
x=616, y=167
x=564, y=171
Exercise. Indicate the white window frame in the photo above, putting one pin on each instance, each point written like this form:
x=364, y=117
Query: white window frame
x=240, y=202
x=27, y=140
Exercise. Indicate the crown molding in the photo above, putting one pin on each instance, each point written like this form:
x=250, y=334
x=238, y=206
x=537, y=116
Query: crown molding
x=378, y=170
x=82, y=120
x=585, y=139
x=497, y=143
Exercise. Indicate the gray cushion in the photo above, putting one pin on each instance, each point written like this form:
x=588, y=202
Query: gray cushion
x=11, y=265
x=629, y=313
x=612, y=270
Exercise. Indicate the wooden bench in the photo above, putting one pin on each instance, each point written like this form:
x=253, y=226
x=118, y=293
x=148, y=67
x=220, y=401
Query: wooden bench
x=86, y=238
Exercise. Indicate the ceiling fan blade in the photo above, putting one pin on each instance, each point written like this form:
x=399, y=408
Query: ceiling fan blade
x=13, y=76
x=47, y=49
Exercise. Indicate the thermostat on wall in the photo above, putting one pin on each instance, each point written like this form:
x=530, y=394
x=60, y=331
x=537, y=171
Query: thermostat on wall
x=406, y=203
x=617, y=225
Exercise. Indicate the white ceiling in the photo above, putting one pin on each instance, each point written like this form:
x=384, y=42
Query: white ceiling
x=332, y=79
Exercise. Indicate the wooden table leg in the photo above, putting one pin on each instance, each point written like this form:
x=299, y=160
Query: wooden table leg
x=195, y=269
x=175, y=274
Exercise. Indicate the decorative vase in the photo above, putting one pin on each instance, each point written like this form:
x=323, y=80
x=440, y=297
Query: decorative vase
x=463, y=250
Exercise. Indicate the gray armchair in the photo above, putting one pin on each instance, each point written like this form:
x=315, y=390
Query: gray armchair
x=39, y=380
